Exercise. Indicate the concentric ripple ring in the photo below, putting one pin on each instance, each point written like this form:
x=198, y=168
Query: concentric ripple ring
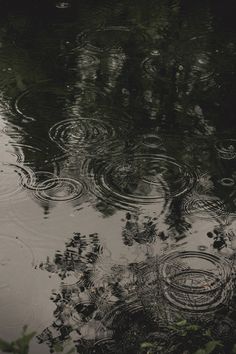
x=226, y=149
x=195, y=281
x=140, y=179
x=60, y=189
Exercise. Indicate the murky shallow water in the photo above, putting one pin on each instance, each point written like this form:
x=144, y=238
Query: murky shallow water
x=118, y=173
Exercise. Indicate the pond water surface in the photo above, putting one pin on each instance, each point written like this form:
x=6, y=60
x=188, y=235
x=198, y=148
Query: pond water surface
x=118, y=174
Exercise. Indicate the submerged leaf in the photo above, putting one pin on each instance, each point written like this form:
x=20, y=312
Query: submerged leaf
x=146, y=345
x=181, y=323
x=210, y=347
x=5, y=346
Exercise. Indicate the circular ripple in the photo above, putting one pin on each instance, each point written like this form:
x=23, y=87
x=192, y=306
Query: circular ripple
x=227, y=182
x=204, y=206
x=42, y=101
x=201, y=68
x=60, y=190
x=39, y=181
x=113, y=39
x=82, y=131
x=140, y=179
x=152, y=64
x=195, y=281
x=13, y=179
x=12, y=155
x=76, y=60
x=226, y=149
x=85, y=60
x=36, y=153
x=91, y=134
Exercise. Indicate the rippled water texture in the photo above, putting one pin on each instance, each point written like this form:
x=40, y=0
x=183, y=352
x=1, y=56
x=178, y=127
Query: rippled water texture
x=118, y=175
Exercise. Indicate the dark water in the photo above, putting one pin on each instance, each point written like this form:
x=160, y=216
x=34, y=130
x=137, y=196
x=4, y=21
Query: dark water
x=118, y=172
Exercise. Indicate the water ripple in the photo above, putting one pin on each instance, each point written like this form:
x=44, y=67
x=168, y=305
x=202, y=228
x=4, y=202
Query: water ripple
x=112, y=39
x=195, y=281
x=91, y=134
x=39, y=181
x=82, y=131
x=13, y=179
x=140, y=179
x=60, y=189
x=226, y=149
x=152, y=64
x=204, y=206
x=40, y=101
x=36, y=153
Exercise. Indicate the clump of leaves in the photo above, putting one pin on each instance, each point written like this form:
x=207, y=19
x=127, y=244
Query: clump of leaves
x=184, y=337
x=20, y=345
x=59, y=348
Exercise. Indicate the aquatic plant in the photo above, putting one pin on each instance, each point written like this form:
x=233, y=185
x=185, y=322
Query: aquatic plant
x=181, y=337
x=20, y=345
x=188, y=338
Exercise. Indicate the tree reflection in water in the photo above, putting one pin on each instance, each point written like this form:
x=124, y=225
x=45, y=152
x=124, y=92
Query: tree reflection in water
x=127, y=110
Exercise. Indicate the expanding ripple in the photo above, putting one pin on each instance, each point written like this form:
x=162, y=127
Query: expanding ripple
x=149, y=143
x=37, y=153
x=152, y=64
x=113, y=39
x=40, y=101
x=226, y=149
x=195, y=281
x=91, y=134
x=60, y=190
x=227, y=182
x=39, y=181
x=140, y=179
x=78, y=60
x=85, y=60
x=13, y=179
x=204, y=206
x=81, y=132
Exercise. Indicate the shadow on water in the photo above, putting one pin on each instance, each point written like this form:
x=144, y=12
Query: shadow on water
x=118, y=174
